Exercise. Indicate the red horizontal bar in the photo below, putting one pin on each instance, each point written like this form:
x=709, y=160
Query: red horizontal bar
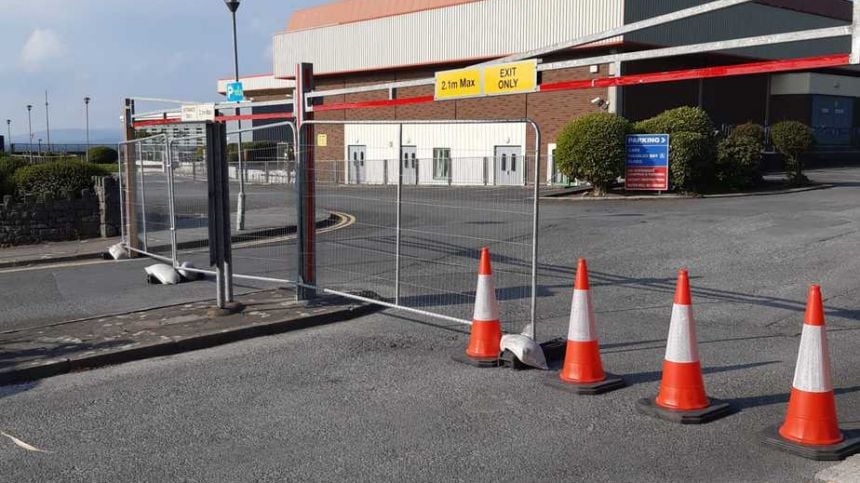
x=371, y=104
x=704, y=73
x=243, y=117
x=765, y=67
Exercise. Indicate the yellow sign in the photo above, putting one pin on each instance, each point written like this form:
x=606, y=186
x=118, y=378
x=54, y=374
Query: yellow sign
x=513, y=78
x=322, y=140
x=457, y=84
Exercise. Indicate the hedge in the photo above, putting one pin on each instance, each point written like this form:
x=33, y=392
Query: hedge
x=57, y=179
x=738, y=162
x=102, y=155
x=8, y=166
x=749, y=130
x=690, y=161
x=593, y=148
x=792, y=139
x=255, y=151
x=681, y=119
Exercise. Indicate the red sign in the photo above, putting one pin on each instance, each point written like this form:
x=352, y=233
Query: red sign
x=647, y=178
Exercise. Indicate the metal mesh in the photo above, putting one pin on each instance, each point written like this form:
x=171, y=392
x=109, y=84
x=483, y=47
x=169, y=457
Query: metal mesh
x=145, y=193
x=449, y=208
x=265, y=246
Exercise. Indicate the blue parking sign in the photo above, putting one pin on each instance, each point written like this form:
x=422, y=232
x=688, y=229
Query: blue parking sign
x=235, y=92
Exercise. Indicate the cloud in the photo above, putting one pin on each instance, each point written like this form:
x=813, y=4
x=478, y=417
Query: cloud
x=41, y=47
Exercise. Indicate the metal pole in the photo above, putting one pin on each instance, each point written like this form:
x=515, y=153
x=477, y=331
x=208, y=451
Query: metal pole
x=535, y=233
x=87, y=108
x=240, y=209
x=30, y=127
x=9, y=132
x=48, y=121
x=855, y=34
x=399, y=214
x=171, y=204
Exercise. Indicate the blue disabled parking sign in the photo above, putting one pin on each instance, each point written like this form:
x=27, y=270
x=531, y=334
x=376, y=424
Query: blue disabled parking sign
x=235, y=92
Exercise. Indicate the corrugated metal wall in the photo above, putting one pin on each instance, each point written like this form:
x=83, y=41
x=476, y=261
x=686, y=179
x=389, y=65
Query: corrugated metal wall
x=469, y=145
x=741, y=21
x=480, y=29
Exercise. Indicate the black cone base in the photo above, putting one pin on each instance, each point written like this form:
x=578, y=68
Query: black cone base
x=835, y=452
x=611, y=383
x=479, y=362
x=718, y=409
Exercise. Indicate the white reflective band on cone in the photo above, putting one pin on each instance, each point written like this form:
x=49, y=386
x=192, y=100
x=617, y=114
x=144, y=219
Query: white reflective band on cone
x=486, y=307
x=812, y=373
x=681, y=346
x=581, y=327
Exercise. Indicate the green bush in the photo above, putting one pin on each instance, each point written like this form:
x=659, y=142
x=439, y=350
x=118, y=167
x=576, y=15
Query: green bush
x=749, y=130
x=690, y=161
x=738, y=161
x=681, y=119
x=593, y=148
x=102, y=155
x=8, y=166
x=57, y=179
x=792, y=139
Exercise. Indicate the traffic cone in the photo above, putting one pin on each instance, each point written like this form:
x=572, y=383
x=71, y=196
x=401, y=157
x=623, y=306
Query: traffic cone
x=486, y=336
x=811, y=428
x=682, y=396
x=582, y=372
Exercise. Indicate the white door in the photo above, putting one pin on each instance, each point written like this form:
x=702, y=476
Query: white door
x=357, y=173
x=510, y=166
x=410, y=165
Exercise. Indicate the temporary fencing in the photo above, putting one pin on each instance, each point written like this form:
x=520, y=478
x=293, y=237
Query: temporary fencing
x=145, y=196
x=421, y=215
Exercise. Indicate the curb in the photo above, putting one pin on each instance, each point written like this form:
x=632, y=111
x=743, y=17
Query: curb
x=768, y=193
x=237, y=238
x=690, y=197
x=44, y=369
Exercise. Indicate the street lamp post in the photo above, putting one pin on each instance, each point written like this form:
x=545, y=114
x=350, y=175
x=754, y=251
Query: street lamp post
x=48, y=121
x=30, y=128
x=9, y=133
x=87, y=109
x=233, y=5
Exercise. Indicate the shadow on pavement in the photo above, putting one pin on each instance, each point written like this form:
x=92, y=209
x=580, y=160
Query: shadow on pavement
x=756, y=401
x=654, y=376
x=8, y=391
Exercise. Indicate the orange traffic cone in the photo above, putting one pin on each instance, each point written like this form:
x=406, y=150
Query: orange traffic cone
x=582, y=372
x=682, y=396
x=486, y=336
x=811, y=428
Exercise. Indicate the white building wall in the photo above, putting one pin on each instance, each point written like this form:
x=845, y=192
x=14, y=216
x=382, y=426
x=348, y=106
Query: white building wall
x=472, y=30
x=470, y=144
x=812, y=83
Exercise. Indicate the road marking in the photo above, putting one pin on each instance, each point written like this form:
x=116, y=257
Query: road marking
x=22, y=444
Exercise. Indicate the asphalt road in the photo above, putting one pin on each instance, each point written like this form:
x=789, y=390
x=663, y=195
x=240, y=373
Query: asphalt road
x=380, y=399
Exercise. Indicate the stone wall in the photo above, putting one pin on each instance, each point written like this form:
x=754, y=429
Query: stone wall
x=88, y=215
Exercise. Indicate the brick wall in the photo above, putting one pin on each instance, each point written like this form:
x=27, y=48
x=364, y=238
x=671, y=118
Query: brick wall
x=551, y=110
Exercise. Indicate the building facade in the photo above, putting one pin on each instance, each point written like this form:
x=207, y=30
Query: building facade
x=364, y=42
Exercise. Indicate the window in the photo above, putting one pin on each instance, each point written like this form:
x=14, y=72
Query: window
x=441, y=163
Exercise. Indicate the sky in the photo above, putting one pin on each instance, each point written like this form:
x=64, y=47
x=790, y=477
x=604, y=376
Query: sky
x=110, y=49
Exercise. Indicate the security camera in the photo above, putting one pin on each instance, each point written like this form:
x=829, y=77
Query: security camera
x=599, y=102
